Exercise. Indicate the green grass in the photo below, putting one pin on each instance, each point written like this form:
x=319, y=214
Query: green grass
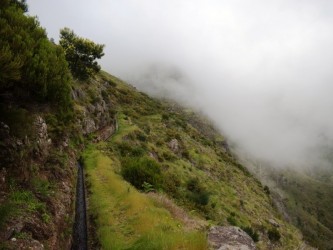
x=22, y=203
x=128, y=219
x=125, y=127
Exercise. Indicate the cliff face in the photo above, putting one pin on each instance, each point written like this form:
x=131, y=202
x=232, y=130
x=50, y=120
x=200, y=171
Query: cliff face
x=38, y=163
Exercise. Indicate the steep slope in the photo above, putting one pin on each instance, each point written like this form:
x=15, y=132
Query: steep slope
x=192, y=161
x=156, y=146
x=307, y=201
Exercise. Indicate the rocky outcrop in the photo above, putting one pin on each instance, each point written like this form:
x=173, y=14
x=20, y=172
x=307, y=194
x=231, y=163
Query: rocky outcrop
x=106, y=132
x=174, y=146
x=93, y=115
x=230, y=238
x=43, y=140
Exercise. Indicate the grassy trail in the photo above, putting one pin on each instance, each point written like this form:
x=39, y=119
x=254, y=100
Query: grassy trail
x=128, y=219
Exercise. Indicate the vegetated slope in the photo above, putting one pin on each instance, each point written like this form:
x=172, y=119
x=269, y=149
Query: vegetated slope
x=38, y=141
x=128, y=219
x=160, y=146
x=308, y=202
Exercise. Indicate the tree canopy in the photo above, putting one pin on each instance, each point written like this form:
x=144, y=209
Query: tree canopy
x=81, y=54
x=31, y=65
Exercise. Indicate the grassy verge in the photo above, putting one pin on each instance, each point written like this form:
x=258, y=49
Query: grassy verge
x=128, y=219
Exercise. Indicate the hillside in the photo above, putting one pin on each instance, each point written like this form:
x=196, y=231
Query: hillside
x=307, y=201
x=194, y=172
x=194, y=166
x=157, y=175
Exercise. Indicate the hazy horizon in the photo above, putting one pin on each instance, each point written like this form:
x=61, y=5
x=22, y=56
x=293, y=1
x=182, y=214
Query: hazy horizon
x=259, y=69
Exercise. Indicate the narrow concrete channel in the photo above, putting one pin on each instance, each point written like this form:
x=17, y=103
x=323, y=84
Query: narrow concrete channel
x=80, y=236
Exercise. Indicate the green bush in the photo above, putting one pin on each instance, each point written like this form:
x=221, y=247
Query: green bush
x=232, y=220
x=169, y=156
x=253, y=234
x=165, y=117
x=197, y=193
x=14, y=118
x=171, y=183
x=141, y=137
x=126, y=149
x=6, y=210
x=137, y=171
x=274, y=234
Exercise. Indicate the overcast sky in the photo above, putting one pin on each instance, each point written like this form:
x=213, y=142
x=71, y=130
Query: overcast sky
x=261, y=70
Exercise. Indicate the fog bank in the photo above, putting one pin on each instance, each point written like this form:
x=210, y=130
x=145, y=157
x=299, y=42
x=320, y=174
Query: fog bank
x=261, y=70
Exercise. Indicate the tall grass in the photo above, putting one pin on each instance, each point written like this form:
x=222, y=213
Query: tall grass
x=128, y=219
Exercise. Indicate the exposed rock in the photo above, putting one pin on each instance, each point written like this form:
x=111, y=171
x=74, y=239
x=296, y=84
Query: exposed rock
x=78, y=94
x=153, y=155
x=230, y=238
x=174, y=145
x=274, y=223
x=90, y=108
x=19, y=142
x=43, y=139
x=89, y=125
x=95, y=117
x=39, y=231
x=26, y=244
x=105, y=133
x=13, y=230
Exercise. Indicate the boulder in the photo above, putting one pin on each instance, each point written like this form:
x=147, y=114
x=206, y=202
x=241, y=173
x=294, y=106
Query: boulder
x=230, y=238
x=89, y=125
x=273, y=223
x=174, y=145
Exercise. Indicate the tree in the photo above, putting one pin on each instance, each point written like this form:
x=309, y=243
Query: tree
x=30, y=65
x=81, y=54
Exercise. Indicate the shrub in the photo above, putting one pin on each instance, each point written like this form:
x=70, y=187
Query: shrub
x=105, y=95
x=137, y=171
x=141, y=137
x=6, y=210
x=232, y=220
x=198, y=194
x=253, y=234
x=14, y=118
x=169, y=156
x=186, y=154
x=126, y=149
x=171, y=183
x=165, y=117
x=274, y=234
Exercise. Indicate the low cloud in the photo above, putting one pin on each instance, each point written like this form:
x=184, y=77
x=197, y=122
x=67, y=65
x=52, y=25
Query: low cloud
x=261, y=70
